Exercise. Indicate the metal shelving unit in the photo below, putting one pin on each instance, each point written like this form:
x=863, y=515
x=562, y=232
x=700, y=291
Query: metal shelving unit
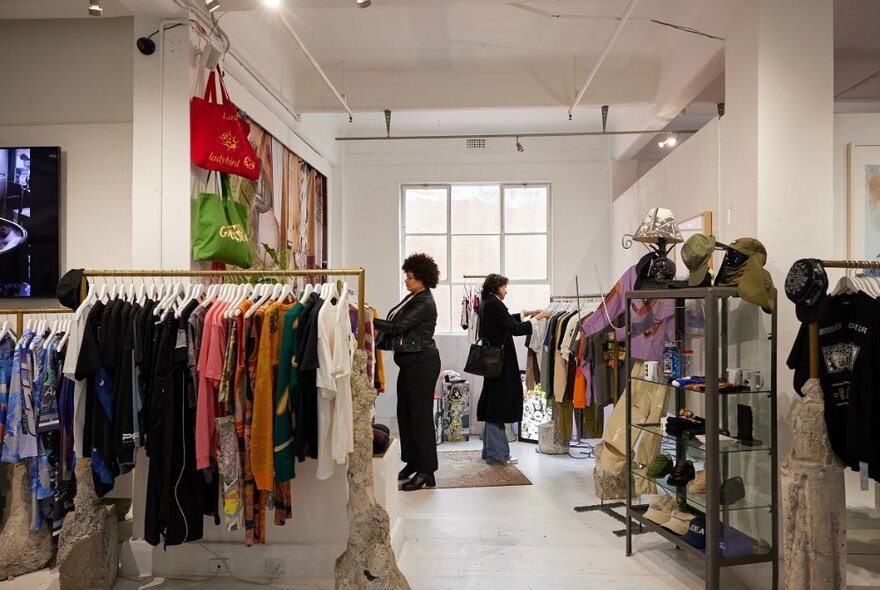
x=729, y=331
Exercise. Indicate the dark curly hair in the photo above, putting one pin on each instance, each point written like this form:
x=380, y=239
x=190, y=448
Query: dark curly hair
x=422, y=268
x=492, y=283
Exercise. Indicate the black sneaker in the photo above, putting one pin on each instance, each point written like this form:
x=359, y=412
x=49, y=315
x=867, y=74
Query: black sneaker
x=732, y=491
x=682, y=473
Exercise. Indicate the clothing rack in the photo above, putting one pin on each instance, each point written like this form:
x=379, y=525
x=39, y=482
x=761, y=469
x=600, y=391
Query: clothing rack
x=814, y=327
x=360, y=273
x=20, y=312
x=474, y=276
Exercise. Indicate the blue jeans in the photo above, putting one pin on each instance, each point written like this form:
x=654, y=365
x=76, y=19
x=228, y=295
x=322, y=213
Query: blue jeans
x=495, y=448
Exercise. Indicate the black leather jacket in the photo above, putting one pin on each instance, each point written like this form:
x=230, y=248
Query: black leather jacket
x=412, y=329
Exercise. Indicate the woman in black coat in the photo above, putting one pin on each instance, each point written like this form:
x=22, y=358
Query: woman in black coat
x=409, y=332
x=501, y=400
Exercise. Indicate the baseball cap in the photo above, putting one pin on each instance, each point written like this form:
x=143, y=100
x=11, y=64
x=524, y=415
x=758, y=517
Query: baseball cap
x=696, y=533
x=743, y=268
x=806, y=286
x=660, y=509
x=68, y=289
x=679, y=522
x=696, y=253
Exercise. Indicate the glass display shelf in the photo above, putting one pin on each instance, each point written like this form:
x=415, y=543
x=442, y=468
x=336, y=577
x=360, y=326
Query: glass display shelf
x=724, y=446
x=763, y=390
x=753, y=499
x=759, y=552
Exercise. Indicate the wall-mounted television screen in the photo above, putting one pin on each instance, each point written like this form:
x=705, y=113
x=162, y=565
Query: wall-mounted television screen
x=29, y=188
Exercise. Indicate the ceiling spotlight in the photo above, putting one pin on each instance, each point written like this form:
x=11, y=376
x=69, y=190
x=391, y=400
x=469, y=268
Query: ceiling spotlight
x=670, y=141
x=212, y=5
x=95, y=8
x=272, y=3
x=519, y=146
x=363, y=3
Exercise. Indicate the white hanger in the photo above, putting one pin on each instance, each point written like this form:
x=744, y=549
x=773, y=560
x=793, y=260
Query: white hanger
x=90, y=298
x=286, y=291
x=846, y=284
x=240, y=295
x=6, y=330
x=65, y=327
x=310, y=288
x=265, y=292
x=53, y=330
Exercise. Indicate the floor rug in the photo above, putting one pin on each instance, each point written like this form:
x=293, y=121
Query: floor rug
x=465, y=469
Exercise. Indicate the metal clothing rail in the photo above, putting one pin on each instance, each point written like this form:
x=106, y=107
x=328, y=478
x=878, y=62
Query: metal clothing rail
x=360, y=273
x=814, y=327
x=20, y=312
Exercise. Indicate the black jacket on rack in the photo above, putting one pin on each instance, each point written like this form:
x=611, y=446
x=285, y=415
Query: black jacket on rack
x=502, y=399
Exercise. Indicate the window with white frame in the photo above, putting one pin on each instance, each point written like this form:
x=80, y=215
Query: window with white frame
x=477, y=229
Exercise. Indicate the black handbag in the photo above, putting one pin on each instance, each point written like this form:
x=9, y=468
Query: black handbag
x=484, y=359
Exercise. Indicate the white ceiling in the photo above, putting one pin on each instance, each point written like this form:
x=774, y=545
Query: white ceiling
x=498, y=65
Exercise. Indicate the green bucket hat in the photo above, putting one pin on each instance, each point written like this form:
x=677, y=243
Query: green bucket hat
x=751, y=279
x=696, y=253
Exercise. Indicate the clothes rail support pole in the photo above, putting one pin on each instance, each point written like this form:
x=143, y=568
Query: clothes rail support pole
x=360, y=273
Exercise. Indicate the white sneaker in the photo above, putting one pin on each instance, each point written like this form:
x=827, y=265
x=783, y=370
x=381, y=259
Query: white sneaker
x=511, y=461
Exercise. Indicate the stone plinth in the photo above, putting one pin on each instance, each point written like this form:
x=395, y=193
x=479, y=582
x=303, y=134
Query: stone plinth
x=23, y=550
x=368, y=561
x=88, y=550
x=813, y=501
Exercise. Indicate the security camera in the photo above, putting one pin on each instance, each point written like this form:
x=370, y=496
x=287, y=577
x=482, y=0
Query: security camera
x=146, y=46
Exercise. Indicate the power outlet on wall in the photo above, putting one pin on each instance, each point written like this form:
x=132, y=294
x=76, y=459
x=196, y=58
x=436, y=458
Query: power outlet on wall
x=218, y=565
x=276, y=567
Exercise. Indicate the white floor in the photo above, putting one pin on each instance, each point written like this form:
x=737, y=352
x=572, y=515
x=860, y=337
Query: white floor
x=530, y=536
x=518, y=537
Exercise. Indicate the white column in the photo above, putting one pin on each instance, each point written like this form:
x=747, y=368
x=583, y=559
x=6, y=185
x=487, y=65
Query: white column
x=161, y=172
x=777, y=156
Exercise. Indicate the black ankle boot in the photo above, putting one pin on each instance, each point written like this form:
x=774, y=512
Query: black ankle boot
x=407, y=472
x=419, y=481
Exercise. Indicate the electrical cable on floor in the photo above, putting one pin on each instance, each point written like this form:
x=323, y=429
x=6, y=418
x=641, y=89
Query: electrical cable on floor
x=225, y=561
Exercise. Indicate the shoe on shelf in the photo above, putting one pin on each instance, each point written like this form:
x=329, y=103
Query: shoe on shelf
x=660, y=466
x=407, y=472
x=682, y=473
x=699, y=485
x=732, y=491
x=419, y=481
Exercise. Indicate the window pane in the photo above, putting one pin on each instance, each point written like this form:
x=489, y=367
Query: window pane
x=525, y=209
x=426, y=211
x=520, y=297
x=441, y=296
x=525, y=257
x=476, y=209
x=433, y=245
x=475, y=255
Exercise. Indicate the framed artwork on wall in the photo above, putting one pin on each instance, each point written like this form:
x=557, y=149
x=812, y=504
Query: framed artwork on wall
x=863, y=201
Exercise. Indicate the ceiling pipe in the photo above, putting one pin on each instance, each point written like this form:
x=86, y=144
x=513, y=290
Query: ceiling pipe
x=517, y=135
x=608, y=45
x=315, y=64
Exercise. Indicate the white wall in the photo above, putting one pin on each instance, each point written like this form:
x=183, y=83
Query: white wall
x=57, y=91
x=686, y=181
x=577, y=168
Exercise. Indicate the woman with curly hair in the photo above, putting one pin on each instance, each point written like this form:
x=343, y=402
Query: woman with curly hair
x=409, y=332
x=501, y=400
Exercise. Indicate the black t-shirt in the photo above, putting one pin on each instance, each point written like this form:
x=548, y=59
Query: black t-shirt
x=849, y=370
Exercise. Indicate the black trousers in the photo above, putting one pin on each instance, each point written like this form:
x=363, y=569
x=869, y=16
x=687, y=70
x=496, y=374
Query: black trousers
x=415, y=404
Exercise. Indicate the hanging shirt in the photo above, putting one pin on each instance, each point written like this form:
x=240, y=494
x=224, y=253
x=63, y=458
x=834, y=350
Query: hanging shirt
x=7, y=352
x=15, y=410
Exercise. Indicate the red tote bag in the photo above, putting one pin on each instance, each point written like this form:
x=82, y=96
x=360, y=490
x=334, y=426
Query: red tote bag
x=218, y=137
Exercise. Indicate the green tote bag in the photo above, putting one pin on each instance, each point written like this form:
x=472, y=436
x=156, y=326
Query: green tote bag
x=220, y=228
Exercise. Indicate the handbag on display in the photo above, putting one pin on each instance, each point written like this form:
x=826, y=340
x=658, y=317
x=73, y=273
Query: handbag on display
x=218, y=136
x=484, y=359
x=220, y=228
